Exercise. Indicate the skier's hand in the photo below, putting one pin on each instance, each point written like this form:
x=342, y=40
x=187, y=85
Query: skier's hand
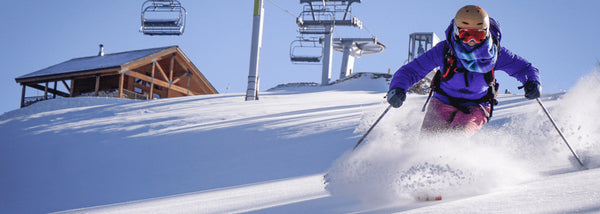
x=532, y=90
x=396, y=97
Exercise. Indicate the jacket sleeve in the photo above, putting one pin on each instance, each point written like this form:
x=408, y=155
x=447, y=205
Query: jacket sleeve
x=517, y=67
x=417, y=69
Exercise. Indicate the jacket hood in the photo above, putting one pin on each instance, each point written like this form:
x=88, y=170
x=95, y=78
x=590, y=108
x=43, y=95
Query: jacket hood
x=494, y=31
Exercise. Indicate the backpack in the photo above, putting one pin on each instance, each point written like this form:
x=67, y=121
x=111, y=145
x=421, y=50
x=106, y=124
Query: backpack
x=450, y=69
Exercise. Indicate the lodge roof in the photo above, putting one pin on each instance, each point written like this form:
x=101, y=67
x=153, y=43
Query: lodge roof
x=91, y=63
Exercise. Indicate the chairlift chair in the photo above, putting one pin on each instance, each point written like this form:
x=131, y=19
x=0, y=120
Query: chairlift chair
x=315, y=22
x=306, y=51
x=163, y=17
x=321, y=17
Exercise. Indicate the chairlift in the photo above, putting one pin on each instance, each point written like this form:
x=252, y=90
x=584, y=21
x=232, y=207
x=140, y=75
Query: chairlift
x=321, y=18
x=163, y=17
x=315, y=21
x=306, y=51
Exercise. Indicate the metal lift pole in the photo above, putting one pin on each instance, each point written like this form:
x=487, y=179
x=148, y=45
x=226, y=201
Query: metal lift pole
x=257, y=30
x=327, y=57
x=347, y=61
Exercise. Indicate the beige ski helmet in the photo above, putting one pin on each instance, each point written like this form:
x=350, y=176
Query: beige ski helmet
x=472, y=17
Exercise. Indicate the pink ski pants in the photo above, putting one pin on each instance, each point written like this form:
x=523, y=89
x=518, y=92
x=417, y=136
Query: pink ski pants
x=441, y=117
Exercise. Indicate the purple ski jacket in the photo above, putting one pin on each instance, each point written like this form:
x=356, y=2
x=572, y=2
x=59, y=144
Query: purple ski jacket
x=456, y=87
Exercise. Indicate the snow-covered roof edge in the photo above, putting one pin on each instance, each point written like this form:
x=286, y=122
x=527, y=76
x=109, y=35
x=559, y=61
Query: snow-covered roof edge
x=91, y=63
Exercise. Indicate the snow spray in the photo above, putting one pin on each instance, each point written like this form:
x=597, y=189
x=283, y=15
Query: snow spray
x=518, y=145
x=577, y=112
x=398, y=164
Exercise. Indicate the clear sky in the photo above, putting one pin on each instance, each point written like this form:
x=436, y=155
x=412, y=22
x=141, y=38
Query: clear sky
x=558, y=37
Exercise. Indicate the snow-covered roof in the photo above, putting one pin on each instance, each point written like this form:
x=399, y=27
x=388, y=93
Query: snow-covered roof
x=94, y=62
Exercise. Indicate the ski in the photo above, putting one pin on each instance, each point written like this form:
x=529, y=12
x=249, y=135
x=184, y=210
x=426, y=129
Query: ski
x=428, y=198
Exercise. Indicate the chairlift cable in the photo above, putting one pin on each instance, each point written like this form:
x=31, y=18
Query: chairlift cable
x=280, y=7
x=367, y=29
x=364, y=26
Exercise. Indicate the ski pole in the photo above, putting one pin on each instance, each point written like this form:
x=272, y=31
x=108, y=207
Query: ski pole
x=559, y=132
x=372, y=126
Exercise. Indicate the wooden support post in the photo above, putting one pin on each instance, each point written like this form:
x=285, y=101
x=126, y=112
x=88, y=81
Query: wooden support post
x=189, y=75
x=152, y=82
x=171, y=68
x=54, y=94
x=72, y=89
x=171, y=74
x=23, y=96
x=97, y=85
x=121, y=83
x=46, y=91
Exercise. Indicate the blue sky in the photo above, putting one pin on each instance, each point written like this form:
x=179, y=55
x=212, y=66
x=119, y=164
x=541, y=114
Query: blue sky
x=558, y=37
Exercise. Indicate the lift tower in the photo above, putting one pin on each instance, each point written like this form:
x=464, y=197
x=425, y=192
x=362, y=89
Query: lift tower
x=419, y=43
x=353, y=48
x=317, y=21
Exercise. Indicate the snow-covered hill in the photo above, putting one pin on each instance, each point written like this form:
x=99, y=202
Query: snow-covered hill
x=220, y=154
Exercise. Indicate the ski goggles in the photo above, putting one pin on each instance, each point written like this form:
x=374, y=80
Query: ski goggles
x=466, y=35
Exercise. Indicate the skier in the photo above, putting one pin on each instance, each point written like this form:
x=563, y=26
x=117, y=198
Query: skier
x=464, y=86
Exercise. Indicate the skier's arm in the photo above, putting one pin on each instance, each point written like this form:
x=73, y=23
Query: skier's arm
x=417, y=69
x=517, y=67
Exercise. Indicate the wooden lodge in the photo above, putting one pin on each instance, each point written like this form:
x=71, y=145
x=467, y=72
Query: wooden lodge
x=141, y=74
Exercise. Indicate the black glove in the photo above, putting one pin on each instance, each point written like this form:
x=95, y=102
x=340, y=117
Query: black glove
x=532, y=90
x=396, y=97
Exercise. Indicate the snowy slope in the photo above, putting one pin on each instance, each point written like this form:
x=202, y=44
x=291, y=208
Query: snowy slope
x=218, y=153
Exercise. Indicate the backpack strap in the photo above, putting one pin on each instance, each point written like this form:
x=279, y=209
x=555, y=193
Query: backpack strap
x=435, y=83
x=493, y=88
